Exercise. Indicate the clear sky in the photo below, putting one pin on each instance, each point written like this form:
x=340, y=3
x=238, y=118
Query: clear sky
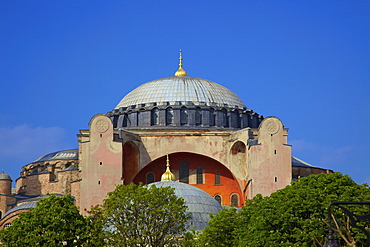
x=306, y=62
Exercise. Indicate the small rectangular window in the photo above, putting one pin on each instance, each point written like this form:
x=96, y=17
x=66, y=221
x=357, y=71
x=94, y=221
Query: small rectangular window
x=217, y=179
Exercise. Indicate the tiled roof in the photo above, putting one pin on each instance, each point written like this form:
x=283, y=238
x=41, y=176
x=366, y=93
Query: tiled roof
x=27, y=205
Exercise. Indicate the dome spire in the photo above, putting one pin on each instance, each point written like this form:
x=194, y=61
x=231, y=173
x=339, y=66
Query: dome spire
x=167, y=175
x=180, y=71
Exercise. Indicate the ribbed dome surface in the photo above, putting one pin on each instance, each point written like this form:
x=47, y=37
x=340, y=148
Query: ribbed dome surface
x=199, y=203
x=181, y=89
x=60, y=155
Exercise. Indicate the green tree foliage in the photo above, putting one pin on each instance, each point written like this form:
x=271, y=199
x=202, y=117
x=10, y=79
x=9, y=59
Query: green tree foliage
x=294, y=215
x=55, y=221
x=136, y=215
x=219, y=231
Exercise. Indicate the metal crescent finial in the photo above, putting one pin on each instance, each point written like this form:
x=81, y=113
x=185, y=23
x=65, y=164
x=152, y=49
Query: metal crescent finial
x=180, y=71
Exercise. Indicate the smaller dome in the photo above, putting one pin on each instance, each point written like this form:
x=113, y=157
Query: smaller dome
x=4, y=176
x=71, y=154
x=199, y=203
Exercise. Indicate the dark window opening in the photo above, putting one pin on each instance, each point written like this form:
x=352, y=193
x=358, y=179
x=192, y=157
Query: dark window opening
x=217, y=179
x=235, y=200
x=199, y=175
x=155, y=116
x=150, y=177
x=169, y=115
x=198, y=116
x=218, y=199
x=184, y=172
x=183, y=115
x=211, y=117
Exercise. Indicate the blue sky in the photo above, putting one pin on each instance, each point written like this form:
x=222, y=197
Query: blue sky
x=306, y=62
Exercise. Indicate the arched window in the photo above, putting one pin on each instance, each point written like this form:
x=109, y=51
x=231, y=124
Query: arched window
x=235, y=200
x=198, y=116
x=150, y=177
x=169, y=115
x=199, y=175
x=217, y=179
x=184, y=115
x=126, y=121
x=7, y=225
x=218, y=199
x=211, y=117
x=155, y=116
x=1, y=214
x=184, y=172
x=225, y=122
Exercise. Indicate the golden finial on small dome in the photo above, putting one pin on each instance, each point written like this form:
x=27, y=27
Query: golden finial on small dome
x=168, y=175
x=180, y=71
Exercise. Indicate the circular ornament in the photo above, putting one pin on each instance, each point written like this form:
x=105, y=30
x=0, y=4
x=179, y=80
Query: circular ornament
x=101, y=126
x=271, y=126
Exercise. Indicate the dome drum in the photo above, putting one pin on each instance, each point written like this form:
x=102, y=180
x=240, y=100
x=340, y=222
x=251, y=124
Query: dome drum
x=180, y=115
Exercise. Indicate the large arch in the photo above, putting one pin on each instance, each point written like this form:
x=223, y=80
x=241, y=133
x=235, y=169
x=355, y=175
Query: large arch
x=228, y=184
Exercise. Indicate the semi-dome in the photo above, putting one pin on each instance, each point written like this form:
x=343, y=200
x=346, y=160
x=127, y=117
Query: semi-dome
x=182, y=89
x=199, y=203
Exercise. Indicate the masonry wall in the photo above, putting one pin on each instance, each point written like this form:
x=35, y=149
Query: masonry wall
x=269, y=159
x=100, y=162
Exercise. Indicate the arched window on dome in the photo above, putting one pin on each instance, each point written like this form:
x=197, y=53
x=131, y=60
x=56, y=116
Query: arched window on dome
x=150, y=177
x=211, y=117
x=234, y=200
x=155, y=116
x=198, y=116
x=184, y=172
x=183, y=115
x=218, y=198
x=225, y=122
x=199, y=175
x=169, y=116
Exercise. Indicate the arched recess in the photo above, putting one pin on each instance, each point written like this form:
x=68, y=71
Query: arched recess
x=209, y=166
x=238, y=156
x=130, y=162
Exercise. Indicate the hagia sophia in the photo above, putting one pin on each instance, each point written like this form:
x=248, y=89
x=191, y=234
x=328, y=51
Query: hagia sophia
x=197, y=129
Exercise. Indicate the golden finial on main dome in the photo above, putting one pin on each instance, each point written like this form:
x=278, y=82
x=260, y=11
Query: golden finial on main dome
x=180, y=71
x=168, y=175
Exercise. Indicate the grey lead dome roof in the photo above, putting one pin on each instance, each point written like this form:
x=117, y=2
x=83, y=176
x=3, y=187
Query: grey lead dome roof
x=199, y=203
x=4, y=176
x=182, y=89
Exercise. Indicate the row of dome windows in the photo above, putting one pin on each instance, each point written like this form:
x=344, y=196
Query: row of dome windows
x=185, y=116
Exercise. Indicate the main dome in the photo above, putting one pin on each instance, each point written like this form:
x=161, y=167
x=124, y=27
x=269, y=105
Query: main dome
x=184, y=89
